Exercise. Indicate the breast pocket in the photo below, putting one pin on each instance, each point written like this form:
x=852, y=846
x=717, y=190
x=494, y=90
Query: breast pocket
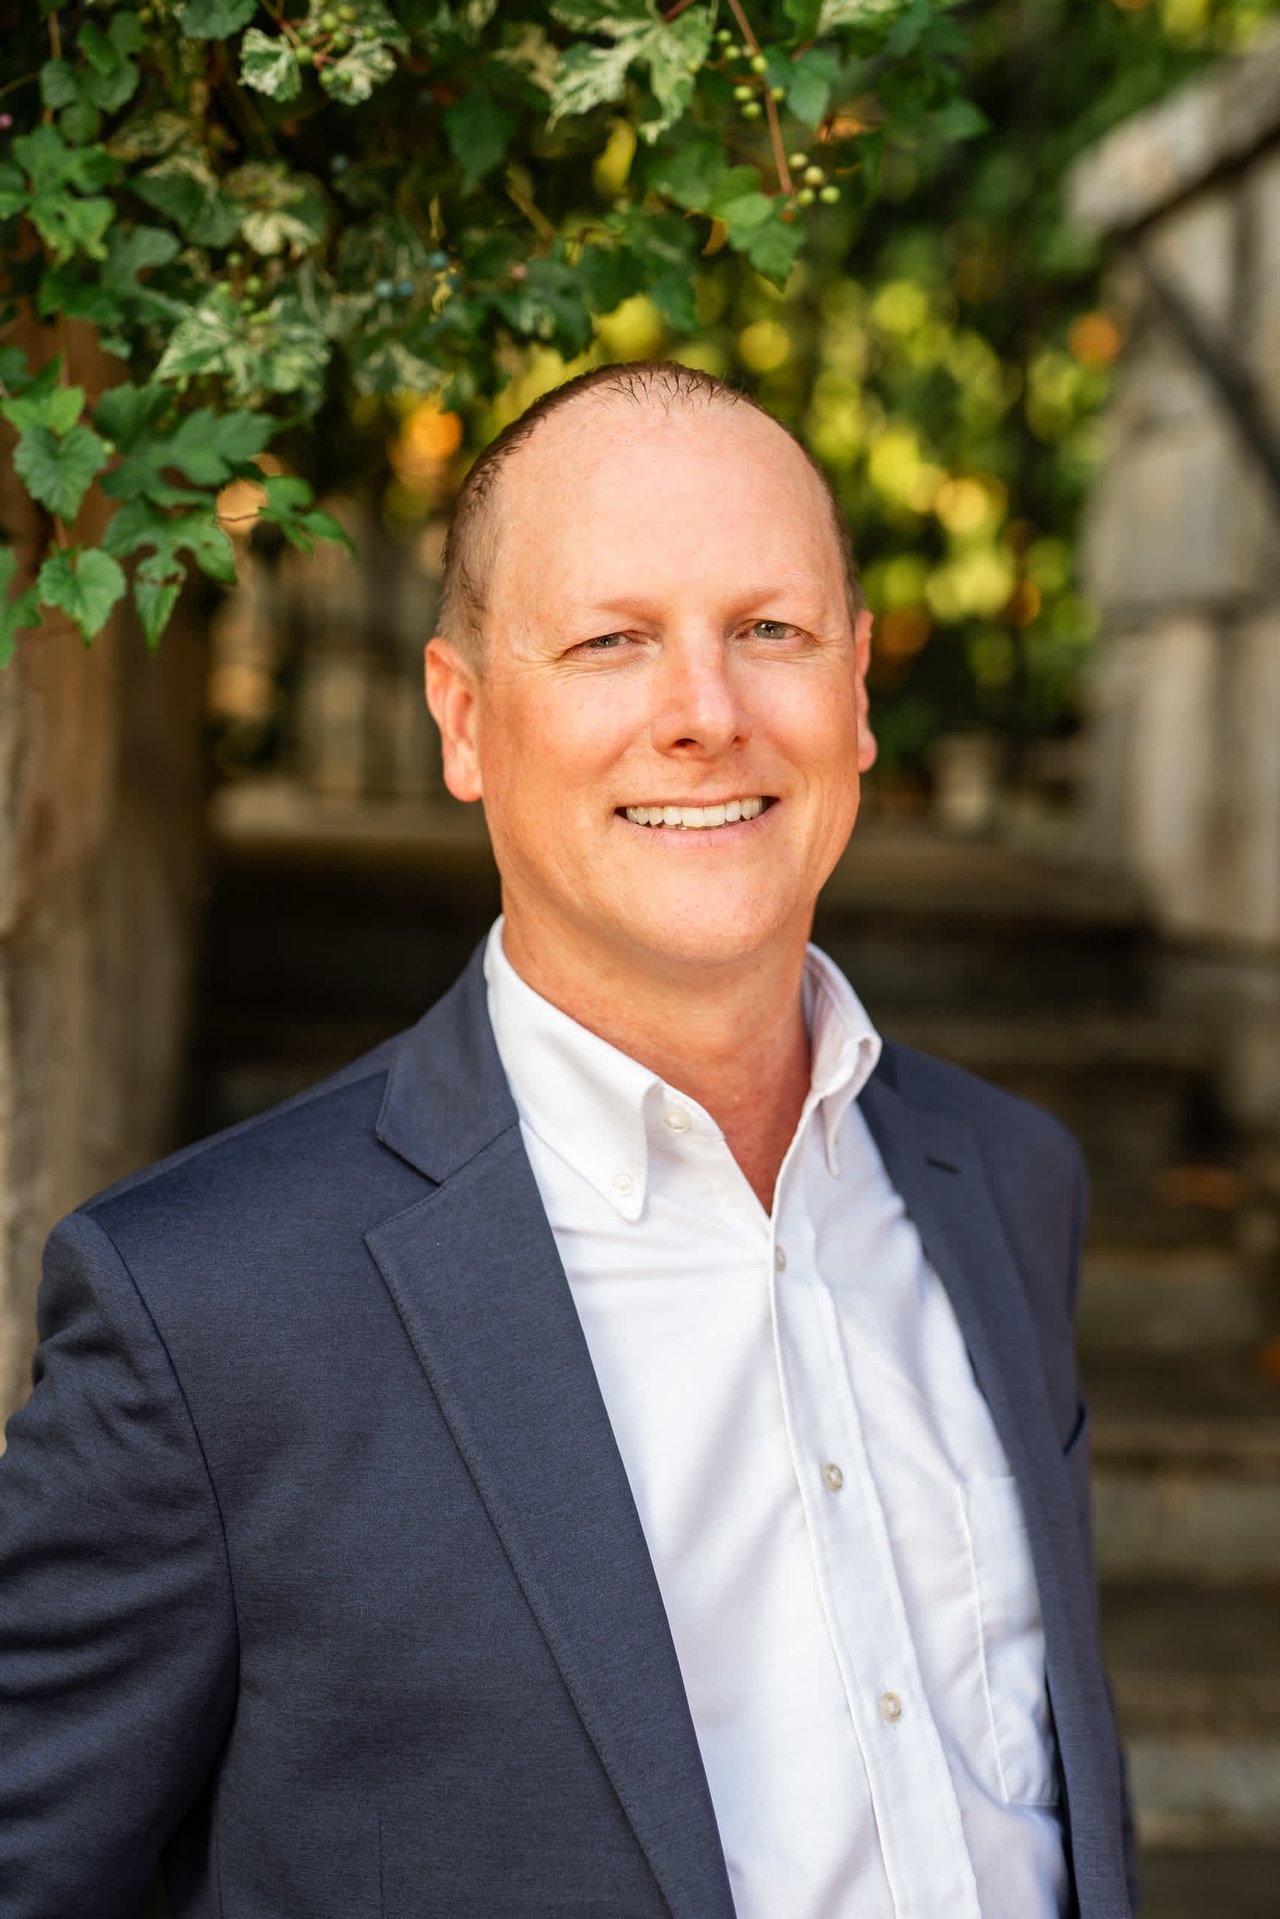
x=1011, y=1637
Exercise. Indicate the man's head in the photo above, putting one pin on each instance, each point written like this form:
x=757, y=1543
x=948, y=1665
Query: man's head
x=471, y=550
x=666, y=619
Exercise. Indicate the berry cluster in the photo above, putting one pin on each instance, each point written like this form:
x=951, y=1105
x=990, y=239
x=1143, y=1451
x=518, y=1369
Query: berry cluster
x=748, y=69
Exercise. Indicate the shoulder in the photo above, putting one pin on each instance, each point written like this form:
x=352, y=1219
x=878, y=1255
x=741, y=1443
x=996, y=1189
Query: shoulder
x=1004, y=1124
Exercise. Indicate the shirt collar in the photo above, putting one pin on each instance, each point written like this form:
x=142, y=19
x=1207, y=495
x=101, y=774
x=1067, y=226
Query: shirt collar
x=593, y=1105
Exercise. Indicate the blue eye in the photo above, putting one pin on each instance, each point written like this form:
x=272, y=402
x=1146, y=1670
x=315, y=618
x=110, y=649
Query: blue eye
x=771, y=629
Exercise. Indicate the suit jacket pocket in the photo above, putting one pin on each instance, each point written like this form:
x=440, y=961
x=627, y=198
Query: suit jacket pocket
x=1011, y=1634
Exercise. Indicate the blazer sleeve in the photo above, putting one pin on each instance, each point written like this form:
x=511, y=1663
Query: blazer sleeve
x=118, y=1652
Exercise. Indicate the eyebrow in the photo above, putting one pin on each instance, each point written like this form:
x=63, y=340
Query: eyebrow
x=745, y=598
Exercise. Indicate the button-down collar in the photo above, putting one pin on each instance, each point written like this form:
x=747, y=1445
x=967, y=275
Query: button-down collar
x=596, y=1107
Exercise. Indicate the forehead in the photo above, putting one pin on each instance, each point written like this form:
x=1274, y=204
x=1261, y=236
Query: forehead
x=610, y=487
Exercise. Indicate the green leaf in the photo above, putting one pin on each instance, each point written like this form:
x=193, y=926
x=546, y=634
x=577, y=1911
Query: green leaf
x=267, y=64
x=216, y=19
x=804, y=16
x=211, y=448
x=127, y=414
x=289, y=506
x=774, y=248
x=584, y=16
x=80, y=124
x=156, y=587
x=808, y=81
x=126, y=33
x=18, y=615
x=354, y=77
x=59, y=472
x=479, y=132
x=186, y=190
x=111, y=78
x=65, y=291
x=54, y=167
x=672, y=293
x=46, y=402
x=85, y=585
x=69, y=226
x=959, y=120
x=279, y=209
x=13, y=191
x=204, y=338
x=141, y=523
x=59, y=84
x=591, y=76
x=674, y=53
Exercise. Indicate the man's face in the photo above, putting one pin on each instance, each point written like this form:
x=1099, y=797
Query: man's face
x=667, y=628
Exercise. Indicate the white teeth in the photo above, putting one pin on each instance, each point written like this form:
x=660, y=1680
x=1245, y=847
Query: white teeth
x=692, y=818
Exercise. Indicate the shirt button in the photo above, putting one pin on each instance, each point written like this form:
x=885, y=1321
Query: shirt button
x=832, y=1478
x=890, y=1707
x=676, y=1118
x=624, y=1182
x=779, y=1260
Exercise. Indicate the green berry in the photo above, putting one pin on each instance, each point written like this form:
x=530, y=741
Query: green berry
x=744, y=93
x=777, y=93
x=235, y=259
x=814, y=176
x=758, y=63
x=253, y=285
x=724, y=37
x=328, y=21
x=753, y=110
x=304, y=55
x=797, y=160
x=341, y=41
x=829, y=196
x=806, y=197
x=348, y=14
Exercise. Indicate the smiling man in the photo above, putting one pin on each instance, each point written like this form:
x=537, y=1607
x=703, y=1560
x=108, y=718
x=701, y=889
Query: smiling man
x=617, y=1449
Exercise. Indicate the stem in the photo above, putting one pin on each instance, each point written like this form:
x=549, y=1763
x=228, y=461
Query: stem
x=55, y=37
x=673, y=13
x=770, y=104
x=23, y=80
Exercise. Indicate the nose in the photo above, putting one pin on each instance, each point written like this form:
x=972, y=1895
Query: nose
x=699, y=709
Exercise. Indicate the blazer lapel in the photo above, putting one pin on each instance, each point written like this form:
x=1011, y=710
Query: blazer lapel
x=475, y=1275
x=934, y=1162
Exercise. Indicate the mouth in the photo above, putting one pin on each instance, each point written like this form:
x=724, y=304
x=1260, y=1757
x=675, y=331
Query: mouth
x=698, y=819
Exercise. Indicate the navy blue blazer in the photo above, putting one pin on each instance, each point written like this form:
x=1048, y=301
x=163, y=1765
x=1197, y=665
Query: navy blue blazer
x=320, y=1578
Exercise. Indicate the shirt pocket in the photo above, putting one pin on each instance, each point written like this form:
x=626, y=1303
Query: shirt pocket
x=1011, y=1639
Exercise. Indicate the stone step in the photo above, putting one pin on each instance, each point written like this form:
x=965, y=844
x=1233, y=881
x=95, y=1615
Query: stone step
x=1230, y=1882
x=1172, y=1299
x=1186, y=1458
x=1196, y=1678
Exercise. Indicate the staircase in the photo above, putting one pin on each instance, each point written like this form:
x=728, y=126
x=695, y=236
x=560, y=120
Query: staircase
x=331, y=927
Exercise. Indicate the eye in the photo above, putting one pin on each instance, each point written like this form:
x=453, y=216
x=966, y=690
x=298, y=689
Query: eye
x=772, y=630
x=603, y=643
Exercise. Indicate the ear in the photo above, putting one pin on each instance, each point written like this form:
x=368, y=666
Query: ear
x=862, y=659
x=453, y=692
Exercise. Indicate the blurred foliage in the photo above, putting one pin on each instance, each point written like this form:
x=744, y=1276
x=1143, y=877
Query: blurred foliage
x=271, y=209
x=944, y=348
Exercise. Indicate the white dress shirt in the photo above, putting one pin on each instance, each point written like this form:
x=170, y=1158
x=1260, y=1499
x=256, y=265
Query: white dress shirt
x=838, y=1543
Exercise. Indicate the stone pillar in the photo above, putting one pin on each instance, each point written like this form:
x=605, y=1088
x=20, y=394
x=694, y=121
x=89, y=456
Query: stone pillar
x=101, y=837
x=1181, y=544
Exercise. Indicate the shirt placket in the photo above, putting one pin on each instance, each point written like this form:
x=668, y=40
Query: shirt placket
x=911, y=1787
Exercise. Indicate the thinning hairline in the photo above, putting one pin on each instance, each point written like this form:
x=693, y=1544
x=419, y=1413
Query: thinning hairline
x=470, y=600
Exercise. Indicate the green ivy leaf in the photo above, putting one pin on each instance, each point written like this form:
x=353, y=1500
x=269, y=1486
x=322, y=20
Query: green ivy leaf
x=185, y=189
x=141, y=524
x=59, y=472
x=279, y=209
x=804, y=16
x=127, y=414
x=479, y=132
x=216, y=19
x=808, y=81
x=45, y=403
x=674, y=53
x=289, y=506
x=156, y=587
x=267, y=64
x=17, y=615
x=211, y=448
x=591, y=76
x=354, y=77
x=80, y=124
x=54, y=167
x=59, y=84
x=13, y=191
x=583, y=16
x=774, y=247
x=111, y=78
x=64, y=290
x=69, y=226
x=85, y=585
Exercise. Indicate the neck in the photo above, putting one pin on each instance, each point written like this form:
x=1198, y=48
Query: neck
x=734, y=1042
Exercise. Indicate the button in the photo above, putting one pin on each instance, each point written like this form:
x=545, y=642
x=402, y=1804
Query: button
x=624, y=1182
x=676, y=1118
x=890, y=1707
x=779, y=1260
x=832, y=1477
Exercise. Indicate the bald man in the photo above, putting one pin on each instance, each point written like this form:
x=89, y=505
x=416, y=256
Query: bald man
x=616, y=1449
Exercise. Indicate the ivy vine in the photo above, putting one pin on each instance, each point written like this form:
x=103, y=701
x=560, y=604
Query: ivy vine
x=252, y=200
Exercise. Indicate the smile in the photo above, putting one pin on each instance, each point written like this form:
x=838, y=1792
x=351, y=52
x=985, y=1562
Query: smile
x=696, y=818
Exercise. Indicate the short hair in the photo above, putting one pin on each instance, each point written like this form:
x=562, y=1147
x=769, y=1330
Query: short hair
x=470, y=549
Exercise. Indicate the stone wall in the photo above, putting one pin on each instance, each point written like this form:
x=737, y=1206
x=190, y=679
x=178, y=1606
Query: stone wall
x=1182, y=538
x=101, y=831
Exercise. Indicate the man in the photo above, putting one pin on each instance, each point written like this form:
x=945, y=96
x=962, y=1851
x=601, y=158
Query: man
x=617, y=1449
